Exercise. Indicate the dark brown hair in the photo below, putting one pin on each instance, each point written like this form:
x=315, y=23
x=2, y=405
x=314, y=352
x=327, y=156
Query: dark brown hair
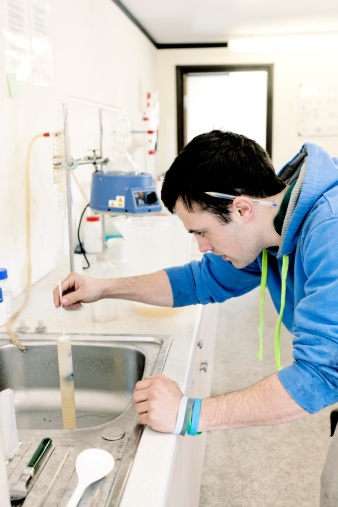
x=219, y=162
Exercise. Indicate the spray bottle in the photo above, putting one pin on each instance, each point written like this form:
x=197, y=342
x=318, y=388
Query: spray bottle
x=7, y=292
x=3, y=310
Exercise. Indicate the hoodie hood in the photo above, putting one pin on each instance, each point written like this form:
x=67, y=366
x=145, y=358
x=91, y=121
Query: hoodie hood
x=315, y=172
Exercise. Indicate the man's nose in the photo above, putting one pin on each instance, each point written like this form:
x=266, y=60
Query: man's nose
x=204, y=245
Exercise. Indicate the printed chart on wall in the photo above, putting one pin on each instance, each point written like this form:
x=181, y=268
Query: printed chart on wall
x=318, y=110
x=28, y=49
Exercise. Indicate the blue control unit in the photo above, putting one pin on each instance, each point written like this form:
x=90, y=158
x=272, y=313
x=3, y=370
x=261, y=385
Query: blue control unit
x=114, y=192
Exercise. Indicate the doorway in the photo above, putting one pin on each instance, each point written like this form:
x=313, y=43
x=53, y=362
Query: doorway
x=225, y=97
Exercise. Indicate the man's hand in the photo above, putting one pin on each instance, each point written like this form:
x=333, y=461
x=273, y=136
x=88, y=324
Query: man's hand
x=153, y=289
x=265, y=403
x=77, y=289
x=157, y=402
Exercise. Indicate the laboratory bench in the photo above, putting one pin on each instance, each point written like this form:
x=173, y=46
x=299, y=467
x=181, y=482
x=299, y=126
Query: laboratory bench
x=167, y=469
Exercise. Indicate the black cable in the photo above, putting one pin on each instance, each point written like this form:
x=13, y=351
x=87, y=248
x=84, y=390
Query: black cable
x=82, y=250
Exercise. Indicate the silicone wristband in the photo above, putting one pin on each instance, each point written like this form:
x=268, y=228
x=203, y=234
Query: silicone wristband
x=188, y=411
x=180, y=415
x=189, y=422
x=195, y=416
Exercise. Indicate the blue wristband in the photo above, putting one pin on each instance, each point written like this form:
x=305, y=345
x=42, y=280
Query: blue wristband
x=195, y=416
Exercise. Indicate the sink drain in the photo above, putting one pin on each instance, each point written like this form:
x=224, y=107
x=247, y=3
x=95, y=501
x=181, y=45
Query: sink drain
x=112, y=434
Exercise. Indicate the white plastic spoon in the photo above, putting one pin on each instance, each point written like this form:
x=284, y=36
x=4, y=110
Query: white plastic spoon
x=91, y=465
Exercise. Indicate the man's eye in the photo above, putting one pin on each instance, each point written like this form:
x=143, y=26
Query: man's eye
x=200, y=234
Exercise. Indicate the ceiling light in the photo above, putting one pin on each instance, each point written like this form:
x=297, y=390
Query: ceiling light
x=285, y=43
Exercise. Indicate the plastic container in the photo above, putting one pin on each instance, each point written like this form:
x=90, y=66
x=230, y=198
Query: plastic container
x=154, y=243
x=104, y=310
x=8, y=423
x=92, y=235
x=3, y=476
x=117, y=254
x=7, y=292
x=3, y=310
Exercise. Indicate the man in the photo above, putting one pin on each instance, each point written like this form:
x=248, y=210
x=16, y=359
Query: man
x=275, y=230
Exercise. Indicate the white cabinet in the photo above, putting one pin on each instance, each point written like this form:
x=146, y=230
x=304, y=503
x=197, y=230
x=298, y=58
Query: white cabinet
x=188, y=467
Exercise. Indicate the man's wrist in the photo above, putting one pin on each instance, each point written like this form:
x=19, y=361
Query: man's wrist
x=204, y=414
x=108, y=288
x=188, y=415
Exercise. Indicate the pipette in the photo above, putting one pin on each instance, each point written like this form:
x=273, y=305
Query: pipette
x=232, y=197
x=65, y=360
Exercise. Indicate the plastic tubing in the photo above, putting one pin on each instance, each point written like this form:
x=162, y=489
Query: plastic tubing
x=28, y=246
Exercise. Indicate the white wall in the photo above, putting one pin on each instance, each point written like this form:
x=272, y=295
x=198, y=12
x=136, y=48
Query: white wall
x=98, y=54
x=291, y=68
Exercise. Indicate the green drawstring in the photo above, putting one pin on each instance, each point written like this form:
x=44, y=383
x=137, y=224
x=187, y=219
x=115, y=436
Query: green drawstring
x=263, y=285
x=285, y=268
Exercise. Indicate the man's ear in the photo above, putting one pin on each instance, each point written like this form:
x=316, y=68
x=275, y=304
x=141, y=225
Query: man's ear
x=243, y=209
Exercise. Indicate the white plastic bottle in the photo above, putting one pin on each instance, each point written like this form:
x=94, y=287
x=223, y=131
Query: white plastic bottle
x=117, y=253
x=7, y=292
x=3, y=310
x=3, y=475
x=92, y=235
x=104, y=310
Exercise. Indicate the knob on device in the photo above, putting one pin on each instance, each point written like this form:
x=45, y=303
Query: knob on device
x=150, y=198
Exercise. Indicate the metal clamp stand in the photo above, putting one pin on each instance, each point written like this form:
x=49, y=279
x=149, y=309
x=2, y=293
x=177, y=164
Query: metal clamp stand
x=71, y=164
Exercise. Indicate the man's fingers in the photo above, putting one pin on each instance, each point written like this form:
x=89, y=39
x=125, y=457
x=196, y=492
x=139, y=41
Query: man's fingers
x=68, y=306
x=70, y=302
x=141, y=408
x=139, y=396
x=56, y=297
x=159, y=376
x=149, y=381
x=157, y=402
x=74, y=292
x=67, y=286
x=70, y=295
x=142, y=384
x=67, y=291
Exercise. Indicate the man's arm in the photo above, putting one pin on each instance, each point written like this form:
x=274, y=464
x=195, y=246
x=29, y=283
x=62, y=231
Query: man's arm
x=154, y=289
x=265, y=403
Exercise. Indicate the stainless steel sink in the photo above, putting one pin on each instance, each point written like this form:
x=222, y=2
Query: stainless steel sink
x=106, y=369
x=105, y=376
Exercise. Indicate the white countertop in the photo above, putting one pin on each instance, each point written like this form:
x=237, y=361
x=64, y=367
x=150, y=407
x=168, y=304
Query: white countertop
x=149, y=479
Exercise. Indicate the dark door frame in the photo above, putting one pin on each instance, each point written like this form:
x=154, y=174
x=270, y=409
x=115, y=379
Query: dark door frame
x=182, y=70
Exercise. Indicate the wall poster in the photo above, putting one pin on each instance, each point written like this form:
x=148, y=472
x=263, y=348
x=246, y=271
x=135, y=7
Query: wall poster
x=28, y=49
x=318, y=110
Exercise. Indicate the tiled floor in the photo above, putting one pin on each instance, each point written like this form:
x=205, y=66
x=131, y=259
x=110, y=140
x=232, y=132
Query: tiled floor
x=277, y=466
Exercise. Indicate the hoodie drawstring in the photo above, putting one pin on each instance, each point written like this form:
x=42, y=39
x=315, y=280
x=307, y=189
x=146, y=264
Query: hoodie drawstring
x=261, y=306
x=285, y=267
